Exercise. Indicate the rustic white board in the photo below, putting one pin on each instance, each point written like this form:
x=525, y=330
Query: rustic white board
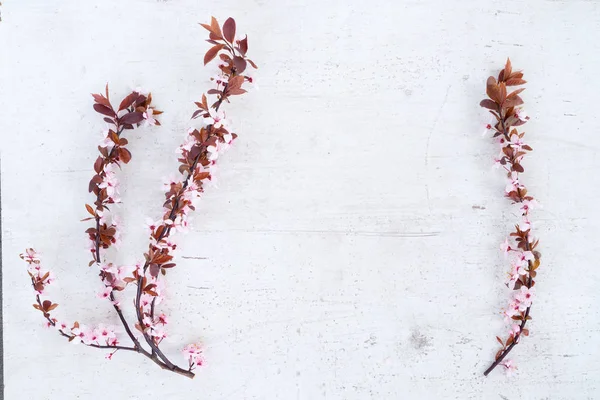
x=351, y=246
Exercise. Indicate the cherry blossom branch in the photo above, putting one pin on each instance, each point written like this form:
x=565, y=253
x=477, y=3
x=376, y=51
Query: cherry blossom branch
x=505, y=107
x=199, y=155
x=132, y=110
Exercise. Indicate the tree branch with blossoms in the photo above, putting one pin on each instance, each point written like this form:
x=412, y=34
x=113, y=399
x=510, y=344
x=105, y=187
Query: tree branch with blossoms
x=198, y=156
x=520, y=246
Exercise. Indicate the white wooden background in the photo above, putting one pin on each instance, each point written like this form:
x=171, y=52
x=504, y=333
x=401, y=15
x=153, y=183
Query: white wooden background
x=352, y=242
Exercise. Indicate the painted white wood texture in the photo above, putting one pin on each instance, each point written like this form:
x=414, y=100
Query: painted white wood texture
x=352, y=242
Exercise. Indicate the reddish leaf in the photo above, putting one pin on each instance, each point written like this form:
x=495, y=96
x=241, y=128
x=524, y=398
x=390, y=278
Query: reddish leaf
x=229, y=30
x=240, y=64
x=252, y=63
x=98, y=98
x=124, y=155
x=508, y=68
x=129, y=100
x=215, y=28
x=212, y=53
x=132, y=118
x=104, y=110
x=234, y=92
x=499, y=353
x=90, y=209
x=98, y=164
x=489, y=104
x=243, y=45
x=235, y=82
x=518, y=167
x=515, y=82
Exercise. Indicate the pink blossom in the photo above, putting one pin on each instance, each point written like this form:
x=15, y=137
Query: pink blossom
x=61, y=326
x=193, y=353
x=525, y=297
x=213, y=152
x=528, y=205
x=107, y=140
x=105, y=294
x=145, y=300
x=181, y=224
x=158, y=332
x=252, y=81
x=505, y=247
x=516, y=142
x=31, y=256
x=169, y=182
x=510, y=367
x=526, y=224
x=215, y=118
x=109, y=356
x=511, y=311
x=513, y=183
x=219, y=80
x=81, y=333
x=524, y=257
x=521, y=115
x=515, y=329
x=151, y=225
x=112, y=341
x=104, y=333
x=149, y=117
x=111, y=185
x=187, y=145
x=162, y=319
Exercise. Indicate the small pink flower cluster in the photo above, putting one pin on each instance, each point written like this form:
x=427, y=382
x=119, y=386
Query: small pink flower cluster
x=40, y=277
x=100, y=335
x=193, y=353
x=509, y=367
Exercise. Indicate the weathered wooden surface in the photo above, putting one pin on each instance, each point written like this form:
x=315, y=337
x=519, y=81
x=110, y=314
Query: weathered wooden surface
x=351, y=247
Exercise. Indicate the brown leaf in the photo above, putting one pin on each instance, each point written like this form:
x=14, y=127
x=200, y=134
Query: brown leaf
x=132, y=118
x=518, y=167
x=229, y=30
x=243, y=45
x=235, y=82
x=90, y=209
x=499, y=353
x=514, y=93
x=212, y=53
x=124, y=155
x=98, y=98
x=216, y=29
x=240, y=64
x=513, y=102
x=104, y=110
x=492, y=90
x=489, y=104
x=98, y=164
x=508, y=68
x=252, y=63
x=129, y=100
x=515, y=82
